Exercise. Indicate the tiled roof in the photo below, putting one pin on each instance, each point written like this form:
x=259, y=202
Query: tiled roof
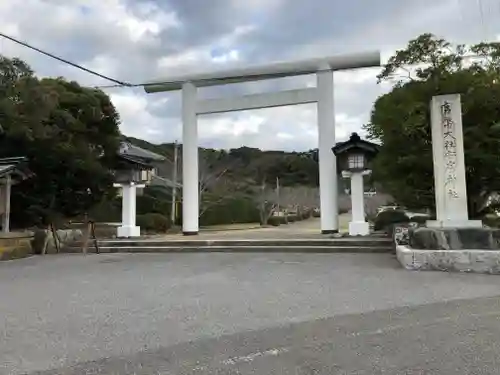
x=9, y=164
x=355, y=142
x=12, y=160
x=129, y=149
x=5, y=168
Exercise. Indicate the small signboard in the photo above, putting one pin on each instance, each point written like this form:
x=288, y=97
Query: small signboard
x=401, y=235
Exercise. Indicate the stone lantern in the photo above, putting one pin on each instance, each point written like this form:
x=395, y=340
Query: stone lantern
x=13, y=170
x=134, y=169
x=354, y=157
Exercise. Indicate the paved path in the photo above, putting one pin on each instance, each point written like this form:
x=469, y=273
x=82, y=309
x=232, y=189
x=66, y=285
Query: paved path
x=306, y=228
x=149, y=314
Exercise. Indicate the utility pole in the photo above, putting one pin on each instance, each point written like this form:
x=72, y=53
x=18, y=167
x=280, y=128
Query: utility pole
x=278, y=196
x=173, y=209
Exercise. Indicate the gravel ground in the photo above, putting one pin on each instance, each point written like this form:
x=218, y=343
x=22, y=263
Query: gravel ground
x=252, y=313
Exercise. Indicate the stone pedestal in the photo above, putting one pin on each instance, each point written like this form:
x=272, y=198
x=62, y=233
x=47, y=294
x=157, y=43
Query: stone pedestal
x=125, y=231
x=357, y=226
x=128, y=227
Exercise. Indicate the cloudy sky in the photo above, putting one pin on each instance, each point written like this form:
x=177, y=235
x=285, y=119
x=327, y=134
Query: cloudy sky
x=140, y=40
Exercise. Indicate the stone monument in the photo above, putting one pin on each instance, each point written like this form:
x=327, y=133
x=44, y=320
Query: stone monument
x=449, y=164
x=452, y=242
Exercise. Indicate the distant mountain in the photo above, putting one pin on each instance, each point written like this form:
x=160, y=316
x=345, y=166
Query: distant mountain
x=247, y=164
x=249, y=168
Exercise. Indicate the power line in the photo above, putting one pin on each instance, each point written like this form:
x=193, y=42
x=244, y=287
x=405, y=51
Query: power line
x=481, y=15
x=461, y=11
x=118, y=83
x=24, y=44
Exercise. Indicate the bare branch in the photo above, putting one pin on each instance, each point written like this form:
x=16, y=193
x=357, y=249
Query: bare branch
x=265, y=199
x=207, y=204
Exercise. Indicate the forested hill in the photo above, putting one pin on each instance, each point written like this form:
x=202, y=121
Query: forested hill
x=250, y=165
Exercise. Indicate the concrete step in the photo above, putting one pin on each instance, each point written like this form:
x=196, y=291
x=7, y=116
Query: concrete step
x=351, y=245
x=237, y=249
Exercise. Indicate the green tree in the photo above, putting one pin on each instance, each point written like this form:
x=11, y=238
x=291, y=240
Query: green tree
x=68, y=133
x=400, y=119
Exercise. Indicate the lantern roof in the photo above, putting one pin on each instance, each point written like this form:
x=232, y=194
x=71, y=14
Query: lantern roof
x=135, y=156
x=355, y=145
x=15, y=166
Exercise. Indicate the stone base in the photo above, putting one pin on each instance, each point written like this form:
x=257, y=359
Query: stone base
x=454, y=224
x=128, y=231
x=478, y=261
x=14, y=245
x=453, y=239
x=359, y=228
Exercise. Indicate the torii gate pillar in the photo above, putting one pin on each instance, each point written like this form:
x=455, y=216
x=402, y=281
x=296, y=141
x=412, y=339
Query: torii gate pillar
x=328, y=189
x=190, y=173
x=322, y=94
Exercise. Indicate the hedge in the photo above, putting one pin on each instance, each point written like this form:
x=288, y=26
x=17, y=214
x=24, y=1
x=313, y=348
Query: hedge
x=386, y=219
x=234, y=210
x=491, y=220
x=274, y=221
x=420, y=219
x=153, y=222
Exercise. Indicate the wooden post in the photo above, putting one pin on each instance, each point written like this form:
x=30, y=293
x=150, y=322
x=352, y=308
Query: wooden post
x=96, y=245
x=90, y=233
x=57, y=244
x=86, y=235
x=46, y=241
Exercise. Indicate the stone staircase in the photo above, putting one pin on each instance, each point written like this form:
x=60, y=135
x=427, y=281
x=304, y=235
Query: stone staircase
x=370, y=244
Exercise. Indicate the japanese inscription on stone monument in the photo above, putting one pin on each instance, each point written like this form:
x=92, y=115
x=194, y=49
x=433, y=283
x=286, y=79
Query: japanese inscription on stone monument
x=449, y=150
x=449, y=163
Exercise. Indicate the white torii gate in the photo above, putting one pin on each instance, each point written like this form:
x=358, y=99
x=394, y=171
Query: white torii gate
x=322, y=94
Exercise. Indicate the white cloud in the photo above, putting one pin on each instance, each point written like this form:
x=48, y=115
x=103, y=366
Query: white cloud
x=136, y=120
x=201, y=58
x=232, y=55
x=139, y=40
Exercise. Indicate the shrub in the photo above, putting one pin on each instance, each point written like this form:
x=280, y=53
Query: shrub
x=491, y=220
x=147, y=204
x=291, y=218
x=420, y=219
x=231, y=210
x=274, y=221
x=106, y=211
x=282, y=219
x=316, y=213
x=153, y=222
x=304, y=215
x=343, y=210
x=386, y=219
